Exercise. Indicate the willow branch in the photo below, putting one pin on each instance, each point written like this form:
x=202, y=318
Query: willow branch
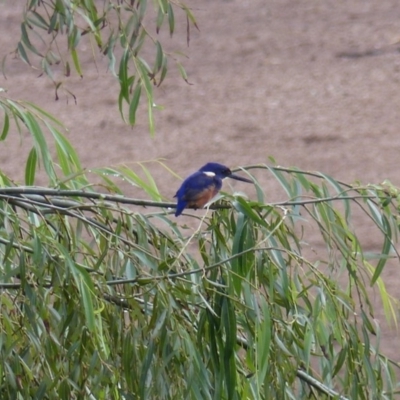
x=57, y=197
x=318, y=385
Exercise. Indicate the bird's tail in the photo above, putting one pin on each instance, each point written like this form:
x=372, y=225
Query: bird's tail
x=180, y=207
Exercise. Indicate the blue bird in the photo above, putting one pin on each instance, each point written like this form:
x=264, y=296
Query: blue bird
x=199, y=188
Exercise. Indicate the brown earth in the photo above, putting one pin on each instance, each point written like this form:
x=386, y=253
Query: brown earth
x=315, y=84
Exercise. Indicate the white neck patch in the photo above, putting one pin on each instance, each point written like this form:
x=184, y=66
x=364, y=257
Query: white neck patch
x=209, y=173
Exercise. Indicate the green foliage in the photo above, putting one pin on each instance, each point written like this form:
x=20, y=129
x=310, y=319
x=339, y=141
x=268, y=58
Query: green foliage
x=102, y=300
x=123, y=31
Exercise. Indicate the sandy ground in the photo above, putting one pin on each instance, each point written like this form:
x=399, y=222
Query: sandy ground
x=315, y=84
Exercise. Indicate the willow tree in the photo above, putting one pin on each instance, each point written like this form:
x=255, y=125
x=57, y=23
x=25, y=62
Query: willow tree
x=104, y=299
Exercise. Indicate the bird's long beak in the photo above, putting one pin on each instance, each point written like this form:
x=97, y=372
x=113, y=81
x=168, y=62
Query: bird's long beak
x=239, y=178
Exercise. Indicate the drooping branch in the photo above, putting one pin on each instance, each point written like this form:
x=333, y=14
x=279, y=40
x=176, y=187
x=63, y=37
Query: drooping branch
x=46, y=197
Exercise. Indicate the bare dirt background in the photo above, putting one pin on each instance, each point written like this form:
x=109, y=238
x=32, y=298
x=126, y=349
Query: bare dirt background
x=315, y=84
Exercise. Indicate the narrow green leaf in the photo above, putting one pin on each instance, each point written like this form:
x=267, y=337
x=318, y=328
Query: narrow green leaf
x=53, y=58
x=159, y=58
x=386, y=248
x=121, y=105
x=163, y=5
x=3, y=66
x=22, y=53
x=237, y=247
x=140, y=42
x=84, y=284
x=144, y=77
x=93, y=22
x=146, y=369
x=308, y=346
x=151, y=186
x=190, y=15
x=26, y=41
x=259, y=191
x=142, y=9
x=243, y=206
x=160, y=18
x=282, y=180
x=109, y=50
x=67, y=155
x=74, y=38
x=86, y=290
x=164, y=70
x=75, y=59
x=302, y=179
x=183, y=73
x=133, y=27
x=45, y=114
x=229, y=324
x=134, y=103
x=41, y=391
x=340, y=360
x=375, y=213
x=123, y=75
x=40, y=144
x=388, y=306
x=171, y=19
x=36, y=19
x=263, y=341
x=228, y=320
x=53, y=22
x=46, y=68
x=6, y=127
x=152, y=127
x=30, y=168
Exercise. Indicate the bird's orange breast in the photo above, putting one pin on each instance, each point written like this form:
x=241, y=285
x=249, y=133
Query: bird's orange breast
x=203, y=197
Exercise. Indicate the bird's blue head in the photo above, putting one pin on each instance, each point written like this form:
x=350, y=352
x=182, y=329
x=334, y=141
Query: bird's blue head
x=221, y=171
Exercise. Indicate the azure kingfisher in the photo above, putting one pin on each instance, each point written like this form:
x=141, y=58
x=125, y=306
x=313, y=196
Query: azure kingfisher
x=199, y=188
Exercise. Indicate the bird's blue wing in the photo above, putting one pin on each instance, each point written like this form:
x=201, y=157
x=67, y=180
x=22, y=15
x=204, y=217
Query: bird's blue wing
x=194, y=188
x=195, y=185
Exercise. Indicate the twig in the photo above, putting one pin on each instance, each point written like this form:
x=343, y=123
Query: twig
x=318, y=385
